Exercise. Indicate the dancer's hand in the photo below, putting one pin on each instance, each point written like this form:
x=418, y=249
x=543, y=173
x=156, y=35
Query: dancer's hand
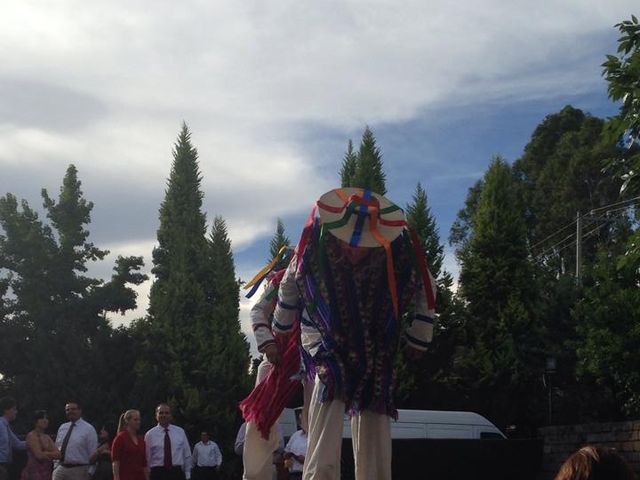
x=272, y=354
x=413, y=353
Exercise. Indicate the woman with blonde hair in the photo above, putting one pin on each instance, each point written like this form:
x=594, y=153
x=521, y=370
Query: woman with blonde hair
x=128, y=450
x=595, y=463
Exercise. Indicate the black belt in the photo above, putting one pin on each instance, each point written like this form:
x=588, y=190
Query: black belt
x=174, y=467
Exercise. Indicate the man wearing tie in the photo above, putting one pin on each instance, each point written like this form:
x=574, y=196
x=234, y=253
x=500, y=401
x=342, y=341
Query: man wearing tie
x=167, y=448
x=77, y=441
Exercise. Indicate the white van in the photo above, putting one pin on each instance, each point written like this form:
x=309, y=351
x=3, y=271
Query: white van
x=417, y=424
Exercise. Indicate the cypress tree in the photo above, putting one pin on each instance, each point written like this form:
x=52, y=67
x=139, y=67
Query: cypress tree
x=418, y=382
x=225, y=351
x=279, y=240
x=419, y=216
x=349, y=166
x=369, y=172
x=181, y=295
x=196, y=356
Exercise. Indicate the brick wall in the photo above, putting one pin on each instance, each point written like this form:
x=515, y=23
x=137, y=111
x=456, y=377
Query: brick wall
x=562, y=441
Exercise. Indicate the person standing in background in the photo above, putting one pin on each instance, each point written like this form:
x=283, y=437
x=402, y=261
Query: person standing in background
x=103, y=469
x=167, y=448
x=128, y=452
x=8, y=440
x=206, y=458
x=77, y=441
x=41, y=451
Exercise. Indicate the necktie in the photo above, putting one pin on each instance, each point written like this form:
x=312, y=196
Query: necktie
x=65, y=442
x=168, y=462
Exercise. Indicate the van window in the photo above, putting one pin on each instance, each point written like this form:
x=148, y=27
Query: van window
x=449, y=431
x=491, y=436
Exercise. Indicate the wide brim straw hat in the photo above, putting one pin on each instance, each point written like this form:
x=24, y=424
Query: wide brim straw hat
x=360, y=217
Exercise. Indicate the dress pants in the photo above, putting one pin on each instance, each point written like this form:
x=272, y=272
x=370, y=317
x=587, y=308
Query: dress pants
x=371, y=437
x=71, y=473
x=163, y=473
x=204, y=473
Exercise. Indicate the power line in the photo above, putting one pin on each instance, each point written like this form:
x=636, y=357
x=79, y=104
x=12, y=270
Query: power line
x=615, y=204
x=554, y=246
x=553, y=234
x=585, y=216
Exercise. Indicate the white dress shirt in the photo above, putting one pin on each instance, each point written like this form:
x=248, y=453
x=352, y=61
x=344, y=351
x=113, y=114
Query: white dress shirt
x=297, y=445
x=82, y=442
x=180, y=450
x=206, y=455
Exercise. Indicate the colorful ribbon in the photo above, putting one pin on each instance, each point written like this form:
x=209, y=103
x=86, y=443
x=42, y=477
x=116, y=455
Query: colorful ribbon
x=255, y=282
x=370, y=207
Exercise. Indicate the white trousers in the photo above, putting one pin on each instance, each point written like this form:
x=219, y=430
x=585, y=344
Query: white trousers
x=371, y=436
x=257, y=453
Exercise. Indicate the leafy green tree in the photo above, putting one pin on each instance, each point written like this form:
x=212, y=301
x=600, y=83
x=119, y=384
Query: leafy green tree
x=503, y=359
x=560, y=174
x=55, y=339
x=608, y=336
x=622, y=73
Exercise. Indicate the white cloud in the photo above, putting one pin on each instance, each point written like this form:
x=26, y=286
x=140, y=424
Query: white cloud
x=105, y=85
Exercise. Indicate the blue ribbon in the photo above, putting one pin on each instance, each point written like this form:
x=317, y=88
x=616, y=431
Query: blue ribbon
x=362, y=216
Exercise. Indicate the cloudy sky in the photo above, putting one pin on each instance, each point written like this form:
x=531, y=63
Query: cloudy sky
x=272, y=91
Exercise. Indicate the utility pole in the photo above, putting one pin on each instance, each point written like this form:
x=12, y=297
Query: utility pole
x=578, y=248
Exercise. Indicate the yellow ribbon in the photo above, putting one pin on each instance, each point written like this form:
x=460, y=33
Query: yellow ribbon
x=266, y=269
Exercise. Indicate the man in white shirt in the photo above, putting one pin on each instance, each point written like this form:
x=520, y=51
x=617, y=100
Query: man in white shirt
x=206, y=459
x=77, y=441
x=167, y=448
x=295, y=453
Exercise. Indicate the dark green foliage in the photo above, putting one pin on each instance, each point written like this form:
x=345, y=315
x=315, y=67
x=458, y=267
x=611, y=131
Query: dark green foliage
x=419, y=216
x=561, y=174
x=55, y=340
x=364, y=170
x=421, y=384
x=463, y=226
x=194, y=354
x=503, y=358
x=622, y=73
x=349, y=166
x=278, y=241
x=609, y=335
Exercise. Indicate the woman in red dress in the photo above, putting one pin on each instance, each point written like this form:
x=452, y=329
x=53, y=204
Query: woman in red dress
x=127, y=451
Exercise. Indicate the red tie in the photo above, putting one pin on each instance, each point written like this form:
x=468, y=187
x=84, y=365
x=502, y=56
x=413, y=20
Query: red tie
x=168, y=462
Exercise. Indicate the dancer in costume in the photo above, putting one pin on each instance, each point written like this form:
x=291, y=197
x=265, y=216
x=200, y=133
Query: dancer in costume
x=359, y=269
x=274, y=385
